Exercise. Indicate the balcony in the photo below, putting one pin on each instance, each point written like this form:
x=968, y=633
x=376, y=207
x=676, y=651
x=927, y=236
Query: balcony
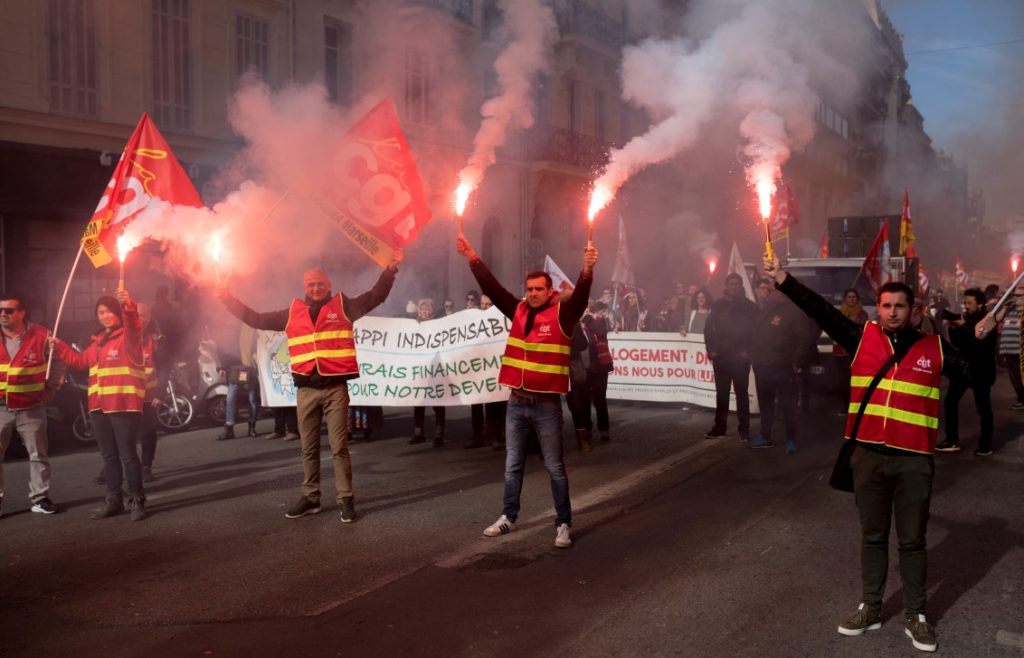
x=576, y=17
x=460, y=9
x=554, y=144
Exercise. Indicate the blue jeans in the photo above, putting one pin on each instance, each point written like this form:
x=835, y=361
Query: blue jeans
x=231, y=413
x=545, y=418
x=116, y=434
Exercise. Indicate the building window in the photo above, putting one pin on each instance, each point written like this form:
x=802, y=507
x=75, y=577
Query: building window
x=599, y=114
x=252, y=46
x=172, y=64
x=574, y=105
x=338, y=61
x=72, y=52
x=419, y=105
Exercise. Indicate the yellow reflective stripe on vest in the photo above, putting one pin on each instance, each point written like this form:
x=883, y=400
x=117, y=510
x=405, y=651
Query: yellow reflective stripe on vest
x=120, y=370
x=26, y=370
x=24, y=388
x=896, y=386
x=4, y=367
x=909, y=417
x=535, y=367
x=115, y=390
x=321, y=335
x=538, y=347
x=322, y=354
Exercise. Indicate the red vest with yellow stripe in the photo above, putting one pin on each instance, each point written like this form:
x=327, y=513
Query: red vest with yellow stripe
x=903, y=411
x=538, y=362
x=327, y=348
x=23, y=377
x=115, y=383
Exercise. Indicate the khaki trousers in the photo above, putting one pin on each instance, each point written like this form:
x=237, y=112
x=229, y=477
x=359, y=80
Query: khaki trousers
x=31, y=426
x=313, y=405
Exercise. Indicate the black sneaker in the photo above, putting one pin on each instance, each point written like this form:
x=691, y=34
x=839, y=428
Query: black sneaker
x=227, y=434
x=137, y=507
x=714, y=433
x=417, y=438
x=112, y=506
x=348, y=510
x=983, y=452
x=863, y=619
x=302, y=508
x=948, y=446
x=147, y=474
x=921, y=633
x=44, y=506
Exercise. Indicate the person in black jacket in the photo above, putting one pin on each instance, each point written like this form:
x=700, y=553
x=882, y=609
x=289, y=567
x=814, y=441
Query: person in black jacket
x=982, y=355
x=727, y=335
x=779, y=349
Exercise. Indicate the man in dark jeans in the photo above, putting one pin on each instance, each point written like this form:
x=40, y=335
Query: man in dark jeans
x=727, y=335
x=982, y=355
x=894, y=430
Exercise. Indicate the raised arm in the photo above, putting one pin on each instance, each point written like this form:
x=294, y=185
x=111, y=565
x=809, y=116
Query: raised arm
x=573, y=309
x=357, y=307
x=273, y=321
x=501, y=298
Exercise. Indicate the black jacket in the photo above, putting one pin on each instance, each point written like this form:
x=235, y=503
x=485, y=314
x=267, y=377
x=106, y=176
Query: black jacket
x=730, y=327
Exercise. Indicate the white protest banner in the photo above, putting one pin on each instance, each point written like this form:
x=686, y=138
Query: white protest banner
x=665, y=367
x=275, y=369
x=450, y=361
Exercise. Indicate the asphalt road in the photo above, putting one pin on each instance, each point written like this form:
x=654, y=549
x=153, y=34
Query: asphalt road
x=683, y=547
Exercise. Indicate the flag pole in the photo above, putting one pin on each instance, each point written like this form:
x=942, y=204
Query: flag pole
x=63, y=298
x=270, y=212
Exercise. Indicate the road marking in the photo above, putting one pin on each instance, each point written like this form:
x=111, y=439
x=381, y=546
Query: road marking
x=1008, y=639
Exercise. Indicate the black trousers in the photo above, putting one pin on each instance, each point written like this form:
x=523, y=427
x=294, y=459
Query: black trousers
x=1012, y=364
x=732, y=373
x=776, y=384
x=982, y=404
x=888, y=486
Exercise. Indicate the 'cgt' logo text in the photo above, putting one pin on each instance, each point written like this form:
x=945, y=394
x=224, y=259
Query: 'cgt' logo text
x=924, y=364
x=332, y=317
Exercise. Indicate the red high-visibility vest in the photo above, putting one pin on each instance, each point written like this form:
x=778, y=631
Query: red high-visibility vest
x=23, y=377
x=328, y=348
x=116, y=379
x=903, y=411
x=538, y=362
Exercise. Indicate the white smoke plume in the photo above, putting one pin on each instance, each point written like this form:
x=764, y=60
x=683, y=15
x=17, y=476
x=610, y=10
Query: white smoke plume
x=532, y=31
x=751, y=64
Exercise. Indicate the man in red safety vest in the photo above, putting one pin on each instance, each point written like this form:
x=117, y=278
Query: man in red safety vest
x=23, y=393
x=323, y=358
x=893, y=416
x=535, y=368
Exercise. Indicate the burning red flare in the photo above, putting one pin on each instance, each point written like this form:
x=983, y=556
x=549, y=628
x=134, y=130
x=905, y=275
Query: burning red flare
x=462, y=193
x=712, y=265
x=1015, y=264
x=600, y=197
x=123, y=248
x=765, y=191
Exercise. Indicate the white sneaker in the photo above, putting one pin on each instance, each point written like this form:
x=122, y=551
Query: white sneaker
x=500, y=527
x=562, y=538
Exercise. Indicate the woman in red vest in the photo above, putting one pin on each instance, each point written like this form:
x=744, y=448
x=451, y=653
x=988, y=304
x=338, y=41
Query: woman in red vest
x=117, y=390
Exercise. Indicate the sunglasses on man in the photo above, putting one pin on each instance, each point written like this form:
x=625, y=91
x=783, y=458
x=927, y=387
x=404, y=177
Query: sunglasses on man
x=9, y=310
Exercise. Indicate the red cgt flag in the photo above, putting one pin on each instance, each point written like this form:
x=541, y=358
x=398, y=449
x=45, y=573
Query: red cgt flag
x=876, y=264
x=146, y=172
x=787, y=211
x=379, y=202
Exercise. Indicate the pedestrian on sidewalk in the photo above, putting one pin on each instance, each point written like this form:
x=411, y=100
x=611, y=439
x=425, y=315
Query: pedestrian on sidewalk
x=535, y=368
x=117, y=394
x=243, y=375
x=322, y=350
x=898, y=371
x=24, y=389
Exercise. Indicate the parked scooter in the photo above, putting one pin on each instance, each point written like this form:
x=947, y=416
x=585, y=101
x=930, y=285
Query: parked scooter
x=72, y=403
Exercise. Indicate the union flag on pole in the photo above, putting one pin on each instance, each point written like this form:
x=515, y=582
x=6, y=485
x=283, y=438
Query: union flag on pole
x=787, y=212
x=907, y=237
x=876, y=266
x=378, y=201
x=146, y=173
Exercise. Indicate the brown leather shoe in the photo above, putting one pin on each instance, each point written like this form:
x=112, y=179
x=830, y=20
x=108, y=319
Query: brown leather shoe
x=583, y=439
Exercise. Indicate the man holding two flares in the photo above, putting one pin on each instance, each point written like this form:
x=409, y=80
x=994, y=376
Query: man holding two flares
x=535, y=368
